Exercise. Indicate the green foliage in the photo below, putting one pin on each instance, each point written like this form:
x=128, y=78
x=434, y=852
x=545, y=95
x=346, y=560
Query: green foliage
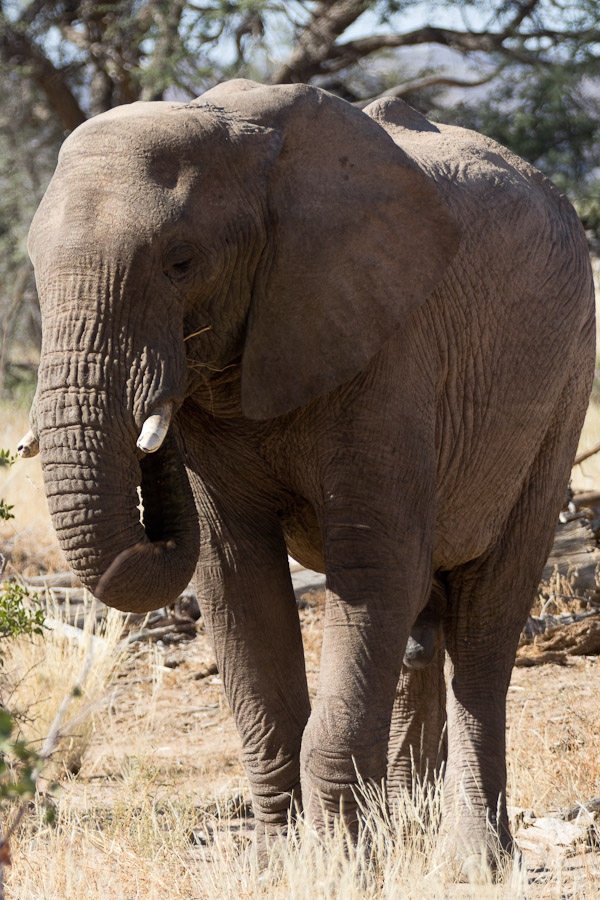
x=20, y=613
x=587, y=205
x=7, y=458
x=13, y=750
x=5, y=510
x=20, y=766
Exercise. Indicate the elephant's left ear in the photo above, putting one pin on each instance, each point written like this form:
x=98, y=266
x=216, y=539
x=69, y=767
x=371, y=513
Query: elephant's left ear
x=359, y=238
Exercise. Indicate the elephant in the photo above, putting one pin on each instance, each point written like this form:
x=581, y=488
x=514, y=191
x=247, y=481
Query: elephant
x=351, y=335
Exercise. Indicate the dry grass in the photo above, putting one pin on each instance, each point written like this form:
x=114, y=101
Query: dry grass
x=28, y=540
x=147, y=851
x=40, y=670
x=554, y=736
x=144, y=849
x=140, y=819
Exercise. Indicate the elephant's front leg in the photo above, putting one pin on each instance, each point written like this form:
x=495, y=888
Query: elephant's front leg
x=377, y=581
x=249, y=607
x=347, y=734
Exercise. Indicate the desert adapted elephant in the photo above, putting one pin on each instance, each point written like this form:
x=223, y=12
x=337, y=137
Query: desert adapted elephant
x=355, y=334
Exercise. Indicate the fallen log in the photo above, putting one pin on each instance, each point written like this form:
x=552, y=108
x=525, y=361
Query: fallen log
x=574, y=560
x=556, y=837
x=556, y=644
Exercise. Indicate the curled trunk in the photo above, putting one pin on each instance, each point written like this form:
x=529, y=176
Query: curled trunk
x=107, y=368
x=92, y=481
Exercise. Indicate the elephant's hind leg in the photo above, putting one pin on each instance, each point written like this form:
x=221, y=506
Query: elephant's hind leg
x=417, y=742
x=488, y=603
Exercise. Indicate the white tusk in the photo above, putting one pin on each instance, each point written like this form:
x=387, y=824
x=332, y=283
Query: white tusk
x=154, y=430
x=28, y=446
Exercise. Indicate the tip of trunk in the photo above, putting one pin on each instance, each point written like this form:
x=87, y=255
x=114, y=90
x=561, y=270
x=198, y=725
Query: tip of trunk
x=146, y=576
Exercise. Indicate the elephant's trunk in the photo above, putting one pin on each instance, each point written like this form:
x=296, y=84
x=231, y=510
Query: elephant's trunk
x=94, y=503
x=90, y=407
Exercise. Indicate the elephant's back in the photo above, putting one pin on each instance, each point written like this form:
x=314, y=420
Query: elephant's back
x=510, y=325
x=486, y=186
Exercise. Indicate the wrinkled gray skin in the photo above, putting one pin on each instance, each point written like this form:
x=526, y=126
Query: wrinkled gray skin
x=378, y=336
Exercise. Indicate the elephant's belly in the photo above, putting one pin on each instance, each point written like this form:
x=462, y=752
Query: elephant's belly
x=303, y=534
x=458, y=543
x=469, y=524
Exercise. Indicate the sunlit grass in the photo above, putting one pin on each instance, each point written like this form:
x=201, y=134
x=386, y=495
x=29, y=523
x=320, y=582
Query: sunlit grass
x=39, y=671
x=148, y=850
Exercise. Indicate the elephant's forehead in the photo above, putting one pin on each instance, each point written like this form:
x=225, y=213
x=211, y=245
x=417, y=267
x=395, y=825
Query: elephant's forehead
x=130, y=165
x=155, y=140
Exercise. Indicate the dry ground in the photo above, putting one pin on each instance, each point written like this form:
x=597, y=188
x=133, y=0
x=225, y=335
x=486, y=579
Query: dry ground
x=156, y=809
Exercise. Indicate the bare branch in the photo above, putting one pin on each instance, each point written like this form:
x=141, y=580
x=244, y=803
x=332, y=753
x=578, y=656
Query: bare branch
x=420, y=84
x=16, y=48
x=317, y=52
x=524, y=10
x=586, y=454
x=316, y=43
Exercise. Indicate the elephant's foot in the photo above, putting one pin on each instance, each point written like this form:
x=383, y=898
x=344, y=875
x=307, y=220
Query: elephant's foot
x=269, y=841
x=475, y=850
x=274, y=815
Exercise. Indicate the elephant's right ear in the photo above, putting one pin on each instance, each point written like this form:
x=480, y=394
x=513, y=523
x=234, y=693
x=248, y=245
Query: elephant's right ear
x=358, y=238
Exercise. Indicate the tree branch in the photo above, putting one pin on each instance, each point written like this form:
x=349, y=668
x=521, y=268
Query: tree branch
x=420, y=84
x=317, y=52
x=315, y=44
x=17, y=49
x=524, y=10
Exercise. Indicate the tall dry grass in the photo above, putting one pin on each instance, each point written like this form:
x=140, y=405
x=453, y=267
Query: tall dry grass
x=39, y=671
x=146, y=850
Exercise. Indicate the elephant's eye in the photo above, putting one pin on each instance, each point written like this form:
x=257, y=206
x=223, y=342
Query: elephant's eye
x=178, y=266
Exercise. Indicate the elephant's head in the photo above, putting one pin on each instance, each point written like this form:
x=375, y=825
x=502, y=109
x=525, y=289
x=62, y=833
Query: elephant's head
x=278, y=225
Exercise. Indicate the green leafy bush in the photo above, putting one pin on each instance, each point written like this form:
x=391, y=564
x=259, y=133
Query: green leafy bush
x=5, y=510
x=13, y=750
x=16, y=614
